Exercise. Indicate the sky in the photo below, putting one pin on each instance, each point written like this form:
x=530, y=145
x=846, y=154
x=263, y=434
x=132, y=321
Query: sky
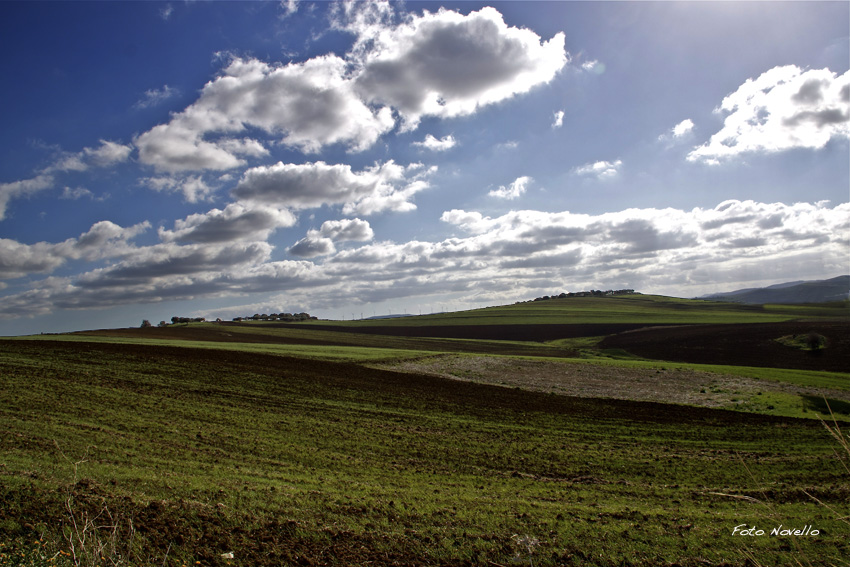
x=219, y=159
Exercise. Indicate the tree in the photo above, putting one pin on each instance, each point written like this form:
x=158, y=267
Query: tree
x=146, y=323
x=815, y=342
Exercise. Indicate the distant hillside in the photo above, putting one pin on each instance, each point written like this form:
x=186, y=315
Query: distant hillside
x=820, y=291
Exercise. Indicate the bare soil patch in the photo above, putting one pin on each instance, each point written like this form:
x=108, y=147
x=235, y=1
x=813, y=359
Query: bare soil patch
x=533, y=333
x=586, y=380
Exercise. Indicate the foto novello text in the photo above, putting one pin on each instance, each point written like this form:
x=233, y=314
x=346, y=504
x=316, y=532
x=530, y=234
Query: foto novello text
x=779, y=530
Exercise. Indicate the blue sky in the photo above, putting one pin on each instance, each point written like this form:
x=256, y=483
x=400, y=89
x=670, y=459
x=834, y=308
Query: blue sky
x=228, y=158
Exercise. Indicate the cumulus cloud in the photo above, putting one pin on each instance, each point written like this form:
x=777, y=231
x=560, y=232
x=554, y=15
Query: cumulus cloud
x=447, y=64
x=168, y=272
x=347, y=230
x=510, y=257
x=321, y=242
x=442, y=64
x=682, y=130
x=689, y=244
x=784, y=108
x=173, y=260
x=386, y=186
x=104, y=239
x=22, y=188
x=311, y=246
x=236, y=222
x=437, y=145
x=193, y=188
x=512, y=191
x=307, y=105
x=600, y=169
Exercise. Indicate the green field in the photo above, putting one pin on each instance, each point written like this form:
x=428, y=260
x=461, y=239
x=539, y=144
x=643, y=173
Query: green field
x=635, y=308
x=307, y=446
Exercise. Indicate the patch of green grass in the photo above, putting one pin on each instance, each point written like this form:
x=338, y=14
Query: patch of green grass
x=276, y=459
x=808, y=342
x=647, y=309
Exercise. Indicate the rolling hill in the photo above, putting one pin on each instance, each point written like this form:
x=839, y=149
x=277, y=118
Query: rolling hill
x=818, y=291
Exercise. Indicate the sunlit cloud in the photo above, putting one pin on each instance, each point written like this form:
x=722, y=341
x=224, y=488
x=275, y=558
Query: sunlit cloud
x=784, y=108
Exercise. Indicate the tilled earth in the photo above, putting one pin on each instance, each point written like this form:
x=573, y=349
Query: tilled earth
x=745, y=344
x=665, y=385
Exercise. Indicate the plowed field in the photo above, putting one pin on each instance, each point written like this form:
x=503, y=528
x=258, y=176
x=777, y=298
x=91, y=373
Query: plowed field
x=751, y=344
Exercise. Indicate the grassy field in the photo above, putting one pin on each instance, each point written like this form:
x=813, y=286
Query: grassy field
x=197, y=453
x=259, y=444
x=637, y=308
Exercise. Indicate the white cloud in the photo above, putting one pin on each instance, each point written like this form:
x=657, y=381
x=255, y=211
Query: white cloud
x=784, y=108
x=437, y=145
x=386, y=186
x=443, y=64
x=75, y=194
x=593, y=66
x=107, y=154
x=683, y=128
x=308, y=105
x=321, y=242
x=347, y=230
x=24, y=187
x=104, y=239
x=311, y=246
x=154, y=97
x=235, y=222
x=514, y=190
x=166, y=11
x=193, y=188
x=600, y=169
x=678, y=133
x=509, y=145
x=510, y=257
x=558, y=119
x=447, y=64
x=288, y=7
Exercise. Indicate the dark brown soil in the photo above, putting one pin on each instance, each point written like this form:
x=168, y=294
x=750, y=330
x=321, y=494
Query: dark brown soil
x=746, y=344
x=534, y=333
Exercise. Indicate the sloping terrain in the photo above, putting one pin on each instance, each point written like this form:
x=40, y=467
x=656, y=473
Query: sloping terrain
x=182, y=456
x=749, y=344
x=461, y=439
x=820, y=291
